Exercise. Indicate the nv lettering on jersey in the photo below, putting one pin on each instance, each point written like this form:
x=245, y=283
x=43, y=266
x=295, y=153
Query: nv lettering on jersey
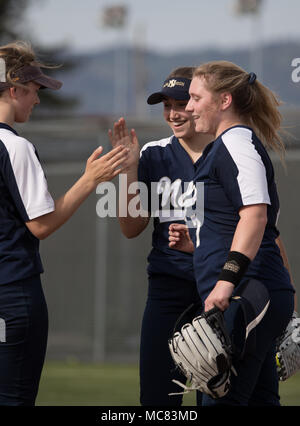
x=2, y=331
x=172, y=192
x=182, y=205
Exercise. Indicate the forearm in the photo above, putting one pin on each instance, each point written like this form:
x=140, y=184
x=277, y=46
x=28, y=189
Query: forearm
x=249, y=232
x=97, y=170
x=246, y=240
x=65, y=207
x=131, y=225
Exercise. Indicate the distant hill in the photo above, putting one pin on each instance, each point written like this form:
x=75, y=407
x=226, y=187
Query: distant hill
x=93, y=80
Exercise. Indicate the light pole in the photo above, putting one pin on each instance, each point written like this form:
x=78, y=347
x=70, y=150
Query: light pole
x=141, y=72
x=114, y=17
x=253, y=8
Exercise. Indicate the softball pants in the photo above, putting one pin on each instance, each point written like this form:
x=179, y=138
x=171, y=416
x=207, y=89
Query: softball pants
x=167, y=298
x=256, y=383
x=23, y=340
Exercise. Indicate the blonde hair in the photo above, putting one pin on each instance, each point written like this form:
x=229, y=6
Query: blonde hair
x=254, y=103
x=16, y=55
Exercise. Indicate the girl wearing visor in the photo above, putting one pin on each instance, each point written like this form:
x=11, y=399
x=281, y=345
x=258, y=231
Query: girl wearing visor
x=170, y=163
x=236, y=240
x=27, y=214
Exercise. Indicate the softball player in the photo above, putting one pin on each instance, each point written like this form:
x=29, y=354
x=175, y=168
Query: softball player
x=168, y=162
x=236, y=238
x=27, y=214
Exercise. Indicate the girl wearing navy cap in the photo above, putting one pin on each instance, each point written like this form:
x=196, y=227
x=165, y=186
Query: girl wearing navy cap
x=236, y=240
x=169, y=162
x=28, y=214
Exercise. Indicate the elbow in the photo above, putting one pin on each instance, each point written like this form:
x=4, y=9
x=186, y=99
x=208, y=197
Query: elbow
x=38, y=231
x=130, y=234
x=43, y=235
x=133, y=229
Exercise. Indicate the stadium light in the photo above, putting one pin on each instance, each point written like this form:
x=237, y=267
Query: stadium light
x=114, y=16
x=247, y=6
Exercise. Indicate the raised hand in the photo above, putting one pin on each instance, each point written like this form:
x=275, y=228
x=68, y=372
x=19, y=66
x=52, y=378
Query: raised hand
x=121, y=136
x=179, y=238
x=105, y=168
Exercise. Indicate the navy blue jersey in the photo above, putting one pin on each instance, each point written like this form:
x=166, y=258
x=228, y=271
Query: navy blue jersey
x=166, y=169
x=24, y=196
x=236, y=171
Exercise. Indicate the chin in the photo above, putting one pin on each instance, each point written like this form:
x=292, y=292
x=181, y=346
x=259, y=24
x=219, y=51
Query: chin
x=180, y=133
x=200, y=129
x=21, y=119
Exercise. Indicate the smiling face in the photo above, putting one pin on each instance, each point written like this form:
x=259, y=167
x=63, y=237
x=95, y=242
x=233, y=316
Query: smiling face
x=179, y=120
x=25, y=100
x=204, y=107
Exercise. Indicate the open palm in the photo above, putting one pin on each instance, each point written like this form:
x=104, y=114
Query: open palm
x=121, y=136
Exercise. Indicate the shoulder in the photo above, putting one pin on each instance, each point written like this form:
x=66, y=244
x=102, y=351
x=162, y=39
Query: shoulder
x=242, y=144
x=237, y=138
x=15, y=145
x=156, y=145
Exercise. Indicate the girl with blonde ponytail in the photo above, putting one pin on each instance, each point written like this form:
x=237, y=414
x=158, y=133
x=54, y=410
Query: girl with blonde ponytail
x=235, y=242
x=27, y=214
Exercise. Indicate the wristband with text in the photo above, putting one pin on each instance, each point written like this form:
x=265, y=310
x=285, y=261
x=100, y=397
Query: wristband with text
x=234, y=268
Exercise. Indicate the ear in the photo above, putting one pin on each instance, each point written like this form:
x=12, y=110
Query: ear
x=13, y=92
x=225, y=100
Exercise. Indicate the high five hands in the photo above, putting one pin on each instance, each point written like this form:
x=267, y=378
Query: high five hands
x=121, y=136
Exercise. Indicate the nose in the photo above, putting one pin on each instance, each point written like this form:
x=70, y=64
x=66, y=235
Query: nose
x=37, y=100
x=189, y=106
x=173, y=113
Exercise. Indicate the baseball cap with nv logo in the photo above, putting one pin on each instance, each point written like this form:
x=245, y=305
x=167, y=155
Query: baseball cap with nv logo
x=176, y=88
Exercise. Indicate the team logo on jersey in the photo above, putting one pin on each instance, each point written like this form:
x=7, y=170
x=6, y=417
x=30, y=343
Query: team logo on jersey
x=179, y=200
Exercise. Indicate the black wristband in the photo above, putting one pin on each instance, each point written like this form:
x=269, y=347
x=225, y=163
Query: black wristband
x=234, y=268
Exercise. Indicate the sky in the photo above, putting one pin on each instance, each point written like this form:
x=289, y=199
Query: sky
x=162, y=25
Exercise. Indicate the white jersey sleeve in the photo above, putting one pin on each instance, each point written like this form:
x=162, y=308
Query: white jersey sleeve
x=27, y=178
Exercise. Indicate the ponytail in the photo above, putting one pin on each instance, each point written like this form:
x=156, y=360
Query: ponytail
x=255, y=104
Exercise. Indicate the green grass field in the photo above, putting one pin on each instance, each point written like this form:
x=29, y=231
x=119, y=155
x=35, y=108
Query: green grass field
x=74, y=383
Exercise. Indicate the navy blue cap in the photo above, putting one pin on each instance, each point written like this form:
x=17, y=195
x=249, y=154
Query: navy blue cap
x=176, y=88
x=32, y=73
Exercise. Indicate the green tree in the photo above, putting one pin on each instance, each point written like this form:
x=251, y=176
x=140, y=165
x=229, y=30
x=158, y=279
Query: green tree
x=13, y=26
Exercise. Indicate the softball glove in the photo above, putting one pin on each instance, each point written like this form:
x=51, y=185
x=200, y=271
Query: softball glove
x=202, y=350
x=288, y=349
